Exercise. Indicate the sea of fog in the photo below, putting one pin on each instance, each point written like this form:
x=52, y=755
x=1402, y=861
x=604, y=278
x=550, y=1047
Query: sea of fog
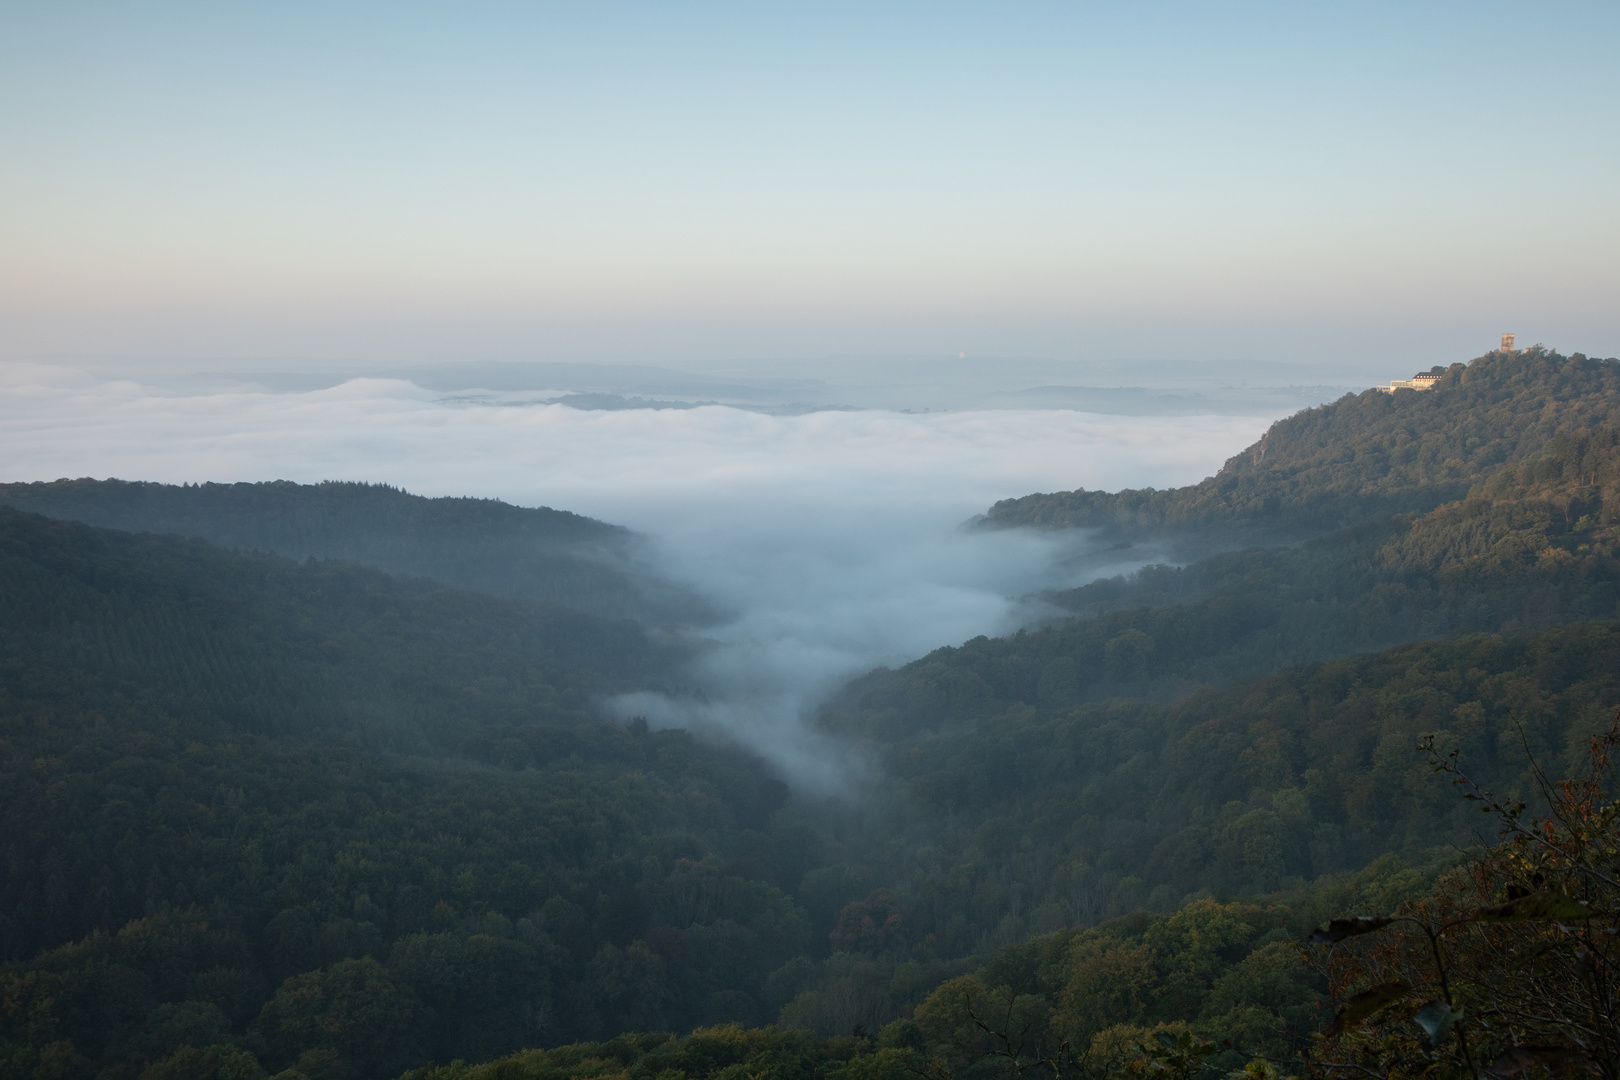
x=832, y=541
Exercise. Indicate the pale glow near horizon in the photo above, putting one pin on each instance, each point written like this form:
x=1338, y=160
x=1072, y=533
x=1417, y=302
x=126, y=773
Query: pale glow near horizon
x=643, y=183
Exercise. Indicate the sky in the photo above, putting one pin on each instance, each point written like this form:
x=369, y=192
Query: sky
x=309, y=241
x=709, y=184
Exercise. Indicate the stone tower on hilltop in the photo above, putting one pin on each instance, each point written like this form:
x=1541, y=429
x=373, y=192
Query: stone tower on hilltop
x=1507, y=342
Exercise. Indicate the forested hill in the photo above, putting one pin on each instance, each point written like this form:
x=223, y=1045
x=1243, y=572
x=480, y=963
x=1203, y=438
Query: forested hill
x=484, y=544
x=379, y=785
x=216, y=640
x=1533, y=545
x=271, y=816
x=263, y=815
x=299, y=899
x=1362, y=457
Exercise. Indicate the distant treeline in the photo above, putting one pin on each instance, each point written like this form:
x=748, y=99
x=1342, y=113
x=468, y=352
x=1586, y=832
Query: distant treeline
x=540, y=554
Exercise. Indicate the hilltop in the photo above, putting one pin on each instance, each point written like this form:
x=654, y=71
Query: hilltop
x=537, y=554
x=1360, y=458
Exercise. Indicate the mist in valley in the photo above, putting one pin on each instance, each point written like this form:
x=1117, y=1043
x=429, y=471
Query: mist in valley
x=546, y=542
x=821, y=543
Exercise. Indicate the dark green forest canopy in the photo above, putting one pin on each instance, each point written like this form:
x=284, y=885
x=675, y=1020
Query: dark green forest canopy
x=1526, y=520
x=291, y=768
x=1241, y=616
x=1086, y=811
x=1532, y=544
x=525, y=553
x=99, y=618
x=1362, y=457
x=305, y=893
x=264, y=815
x=1222, y=970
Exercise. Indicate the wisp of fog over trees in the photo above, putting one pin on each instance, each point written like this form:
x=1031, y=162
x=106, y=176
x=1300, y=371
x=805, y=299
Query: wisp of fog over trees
x=826, y=543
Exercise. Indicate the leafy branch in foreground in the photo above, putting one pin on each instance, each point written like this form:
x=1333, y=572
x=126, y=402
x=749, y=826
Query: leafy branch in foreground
x=1512, y=968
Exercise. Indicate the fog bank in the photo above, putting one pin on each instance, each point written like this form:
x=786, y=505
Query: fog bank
x=829, y=540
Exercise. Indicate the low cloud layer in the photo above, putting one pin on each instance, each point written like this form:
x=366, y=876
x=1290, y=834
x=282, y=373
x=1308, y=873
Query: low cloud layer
x=830, y=540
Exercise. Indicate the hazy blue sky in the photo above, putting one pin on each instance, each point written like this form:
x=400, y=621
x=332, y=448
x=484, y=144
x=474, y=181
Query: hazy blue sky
x=685, y=183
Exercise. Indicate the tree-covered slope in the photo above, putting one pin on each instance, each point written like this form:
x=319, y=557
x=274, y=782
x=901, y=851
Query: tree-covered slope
x=972, y=732
x=1227, y=970
x=263, y=815
x=1026, y=815
x=106, y=619
x=313, y=817
x=485, y=544
x=1525, y=521
x=1121, y=757
x=1165, y=631
x=1362, y=457
x=1533, y=544
x=327, y=766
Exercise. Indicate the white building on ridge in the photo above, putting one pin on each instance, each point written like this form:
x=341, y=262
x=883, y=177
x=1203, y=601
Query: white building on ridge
x=1423, y=380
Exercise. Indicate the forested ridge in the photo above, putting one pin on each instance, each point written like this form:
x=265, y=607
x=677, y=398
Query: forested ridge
x=266, y=816
x=287, y=767
x=1159, y=661
x=1527, y=544
x=97, y=618
x=1362, y=457
x=1090, y=811
x=525, y=553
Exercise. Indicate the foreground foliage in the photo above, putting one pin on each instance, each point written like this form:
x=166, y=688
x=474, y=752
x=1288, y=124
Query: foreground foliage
x=1511, y=966
x=1507, y=967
